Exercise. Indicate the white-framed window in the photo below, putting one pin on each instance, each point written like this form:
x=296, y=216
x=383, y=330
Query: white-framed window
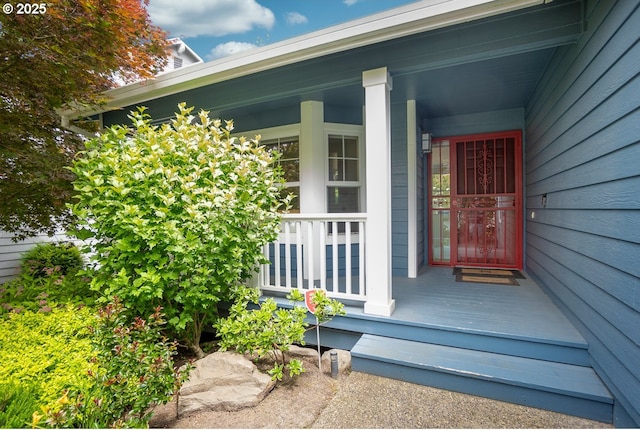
x=288, y=146
x=345, y=170
x=284, y=140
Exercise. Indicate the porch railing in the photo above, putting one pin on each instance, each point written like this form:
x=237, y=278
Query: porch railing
x=325, y=251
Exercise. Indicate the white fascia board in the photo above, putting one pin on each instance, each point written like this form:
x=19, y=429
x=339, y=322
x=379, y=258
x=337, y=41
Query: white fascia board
x=410, y=19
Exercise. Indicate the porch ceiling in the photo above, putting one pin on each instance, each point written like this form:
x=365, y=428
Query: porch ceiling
x=490, y=85
x=496, y=84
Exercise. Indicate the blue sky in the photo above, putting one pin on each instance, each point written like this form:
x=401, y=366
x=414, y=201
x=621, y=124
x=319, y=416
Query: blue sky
x=216, y=28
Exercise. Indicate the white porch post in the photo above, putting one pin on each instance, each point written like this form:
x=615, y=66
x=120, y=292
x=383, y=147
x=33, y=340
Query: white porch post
x=312, y=172
x=377, y=84
x=312, y=191
x=412, y=188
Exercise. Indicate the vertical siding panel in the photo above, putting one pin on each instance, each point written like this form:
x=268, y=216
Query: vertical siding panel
x=582, y=152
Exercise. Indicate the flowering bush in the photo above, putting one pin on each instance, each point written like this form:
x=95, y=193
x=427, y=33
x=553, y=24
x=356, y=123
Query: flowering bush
x=178, y=214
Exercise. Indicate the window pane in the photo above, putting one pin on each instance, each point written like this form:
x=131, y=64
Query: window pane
x=440, y=169
x=351, y=147
x=335, y=146
x=291, y=170
x=290, y=149
x=343, y=199
x=441, y=239
x=295, y=201
x=336, y=167
x=289, y=162
x=351, y=170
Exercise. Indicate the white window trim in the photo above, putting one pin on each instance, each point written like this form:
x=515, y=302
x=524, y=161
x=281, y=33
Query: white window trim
x=281, y=131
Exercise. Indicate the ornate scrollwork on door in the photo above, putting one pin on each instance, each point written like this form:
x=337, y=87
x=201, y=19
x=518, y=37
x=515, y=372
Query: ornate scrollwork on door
x=485, y=167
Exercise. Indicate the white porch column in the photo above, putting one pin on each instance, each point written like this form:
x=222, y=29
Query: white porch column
x=312, y=154
x=377, y=84
x=412, y=188
x=312, y=174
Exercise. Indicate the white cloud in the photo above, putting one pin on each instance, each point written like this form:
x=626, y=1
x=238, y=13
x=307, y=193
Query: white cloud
x=349, y=2
x=295, y=18
x=229, y=48
x=209, y=17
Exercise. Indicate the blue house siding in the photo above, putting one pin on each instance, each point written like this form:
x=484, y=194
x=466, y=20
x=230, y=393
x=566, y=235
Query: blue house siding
x=399, y=190
x=421, y=206
x=476, y=123
x=582, y=154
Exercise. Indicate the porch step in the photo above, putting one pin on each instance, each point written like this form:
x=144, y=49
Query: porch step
x=565, y=388
x=547, y=349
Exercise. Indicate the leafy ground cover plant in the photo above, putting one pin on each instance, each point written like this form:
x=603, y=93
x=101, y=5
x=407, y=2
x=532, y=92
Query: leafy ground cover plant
x=132, y=370
x=42, y=354
x=268, y=330
x=178, y=214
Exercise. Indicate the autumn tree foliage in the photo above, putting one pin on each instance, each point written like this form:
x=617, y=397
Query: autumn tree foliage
x=64, y=55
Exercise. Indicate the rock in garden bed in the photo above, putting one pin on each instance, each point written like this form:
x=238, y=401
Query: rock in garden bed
x=223, y=381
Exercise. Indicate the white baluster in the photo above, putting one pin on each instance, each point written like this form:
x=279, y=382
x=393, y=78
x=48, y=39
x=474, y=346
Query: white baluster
x=287, y=254
x=347, y=255
x=299, y=253
x=361, y=252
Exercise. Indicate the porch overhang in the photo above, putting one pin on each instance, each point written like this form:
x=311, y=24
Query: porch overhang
x=400, y=22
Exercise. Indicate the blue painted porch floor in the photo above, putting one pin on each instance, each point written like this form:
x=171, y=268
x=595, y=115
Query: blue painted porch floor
x=505, y=342
x=524, y=311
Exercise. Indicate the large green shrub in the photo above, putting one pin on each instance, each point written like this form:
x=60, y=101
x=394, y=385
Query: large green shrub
x=178, y=214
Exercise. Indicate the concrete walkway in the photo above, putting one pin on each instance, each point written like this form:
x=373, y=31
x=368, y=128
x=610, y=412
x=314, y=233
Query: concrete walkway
x=367, y=401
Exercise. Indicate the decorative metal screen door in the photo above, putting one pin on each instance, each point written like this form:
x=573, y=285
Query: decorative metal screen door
x=479, y=205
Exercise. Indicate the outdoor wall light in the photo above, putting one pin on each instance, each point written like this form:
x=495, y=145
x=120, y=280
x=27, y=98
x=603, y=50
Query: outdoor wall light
x=426, y=142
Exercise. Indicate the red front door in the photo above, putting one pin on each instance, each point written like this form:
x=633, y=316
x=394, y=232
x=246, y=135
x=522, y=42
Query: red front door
x=475, y=211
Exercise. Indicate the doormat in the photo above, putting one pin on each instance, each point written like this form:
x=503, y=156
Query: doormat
x=487, y=276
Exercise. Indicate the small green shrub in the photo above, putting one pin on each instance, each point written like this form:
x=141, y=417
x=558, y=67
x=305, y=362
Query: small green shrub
x=49, y=277
x=42, y=294
x=45, y=258
x=270, y=330
x=48, y=353
x=17, y=404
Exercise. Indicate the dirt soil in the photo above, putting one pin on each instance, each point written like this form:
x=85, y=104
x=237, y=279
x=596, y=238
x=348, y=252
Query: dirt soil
x=291, y=404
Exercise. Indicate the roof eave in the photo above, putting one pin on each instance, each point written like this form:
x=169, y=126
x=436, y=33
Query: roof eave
x=399, y=22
